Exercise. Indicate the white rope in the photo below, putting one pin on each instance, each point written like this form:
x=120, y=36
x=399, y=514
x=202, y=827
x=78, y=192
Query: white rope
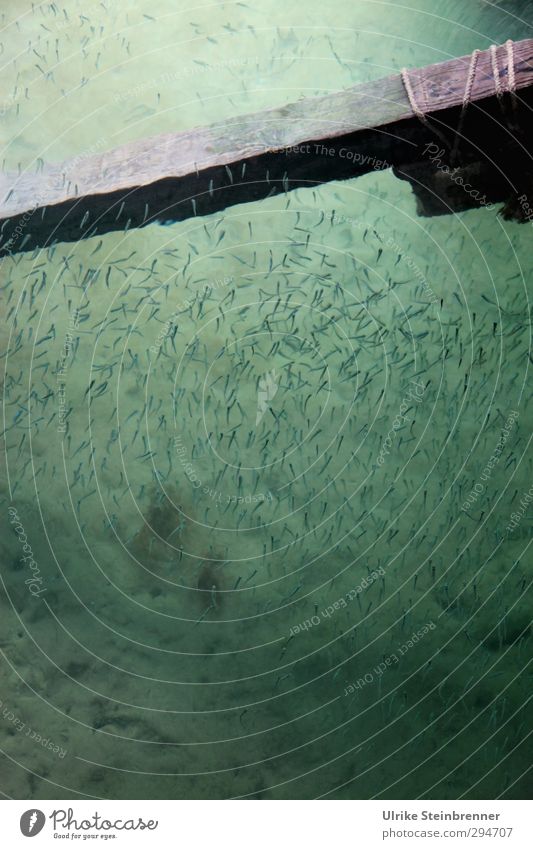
x=470, y=78
x=466, y=100
x=411, y=95
x=511, y=88
x=510, y=66
x=511, y=76
x=495, y=72
x=511, y=73
x=416, y=109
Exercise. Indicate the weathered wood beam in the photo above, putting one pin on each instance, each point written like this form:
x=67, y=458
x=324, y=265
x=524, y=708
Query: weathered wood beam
x=331, y=137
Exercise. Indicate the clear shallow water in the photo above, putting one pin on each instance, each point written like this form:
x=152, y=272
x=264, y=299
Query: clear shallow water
x=265, y=461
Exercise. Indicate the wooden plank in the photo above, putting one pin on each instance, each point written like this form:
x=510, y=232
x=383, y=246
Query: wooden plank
x=176, y=176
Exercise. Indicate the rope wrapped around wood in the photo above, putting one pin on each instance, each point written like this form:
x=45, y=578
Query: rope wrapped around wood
x=470, y=77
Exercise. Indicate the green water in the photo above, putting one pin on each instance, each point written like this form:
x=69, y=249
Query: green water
x=264, y=463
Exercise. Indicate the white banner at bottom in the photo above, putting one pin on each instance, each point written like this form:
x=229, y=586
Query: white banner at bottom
x=262, y=824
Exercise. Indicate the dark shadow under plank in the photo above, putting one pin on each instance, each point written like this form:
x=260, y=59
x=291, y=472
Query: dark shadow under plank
x=337, y=136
